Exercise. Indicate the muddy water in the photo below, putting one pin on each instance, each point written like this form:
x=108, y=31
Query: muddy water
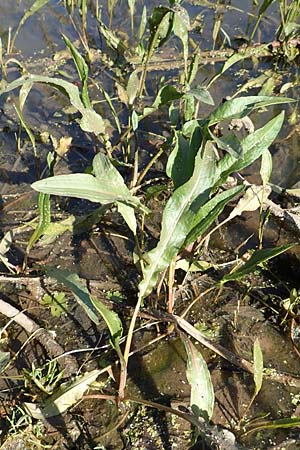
x=162, y=371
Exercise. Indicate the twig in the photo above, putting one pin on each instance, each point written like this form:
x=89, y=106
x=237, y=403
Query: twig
x=68, y=363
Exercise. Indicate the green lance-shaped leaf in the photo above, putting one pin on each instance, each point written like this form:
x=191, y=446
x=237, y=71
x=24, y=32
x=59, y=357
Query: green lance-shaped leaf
x=82, y=69
x=242, y=106
x=143, y=23
x=178, y=216
x=44, y=208
x=112, y=321
x=26, y=127
x=92, y=306
x=235, y=58
x=132, y=87
x=202, y=392
x=181, y=26
x=81, y=294
x=165, y=95
x=209, y=212
x=90, y=121
x=160, y=24
x=287, y=422
x=258, y=257
x=180, y=164
x=106, y=187
x=201, y=94
x=253, y=147
x=38, y=4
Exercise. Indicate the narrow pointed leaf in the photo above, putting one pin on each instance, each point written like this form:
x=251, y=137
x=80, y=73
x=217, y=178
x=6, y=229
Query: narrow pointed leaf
x=209, y=212
x=181, y=161
x=241, y=106
x=81, y=294
x=253, y=147
x=178, y=216
x=258, y=257
x=44, y=208
x=198, y=376
x=128, y=214
x=90, y=121
x=82, y=69
x=83, y=186
x=38, y=4
x=112, y=321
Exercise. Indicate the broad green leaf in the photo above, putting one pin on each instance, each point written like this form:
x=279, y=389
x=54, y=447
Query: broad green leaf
x=127, y=212
x=236, y=57
x=180, y=163
x=258, y=257
x=38, y=4
x=165, y=95
x=90, y=121
x=106, y=187
x=111, y=39
x=82, y=69
x=202, y=392
x=112, y=321
x=105, y=171
x=131, y=7
x=253, y=147
x=81, y=186
x=178, y=215
x=241, y=106
x=202, y=94
x=160, y=25
x=209, y=212
x=229, y=143
x=258, y=366
x=134, y=120
x=81, y=294
x=189, y=107
x=66, y=396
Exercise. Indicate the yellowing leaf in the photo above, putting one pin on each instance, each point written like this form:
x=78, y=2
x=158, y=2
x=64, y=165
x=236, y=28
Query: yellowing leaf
x=64, y=145
x=66, y=396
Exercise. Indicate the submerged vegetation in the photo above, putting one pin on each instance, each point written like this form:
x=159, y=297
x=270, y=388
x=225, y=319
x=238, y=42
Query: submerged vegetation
x=163, y=164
